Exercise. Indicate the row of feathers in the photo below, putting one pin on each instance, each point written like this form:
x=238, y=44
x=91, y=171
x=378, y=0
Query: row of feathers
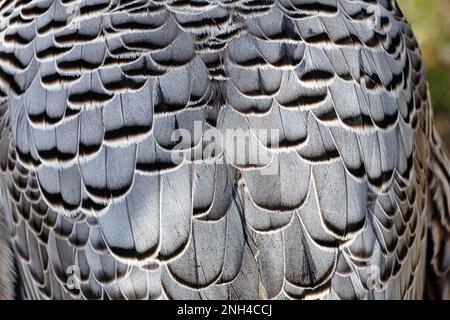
x=93, y=90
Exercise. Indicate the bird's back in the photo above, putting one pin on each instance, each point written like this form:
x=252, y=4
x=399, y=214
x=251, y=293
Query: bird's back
x=217, y=149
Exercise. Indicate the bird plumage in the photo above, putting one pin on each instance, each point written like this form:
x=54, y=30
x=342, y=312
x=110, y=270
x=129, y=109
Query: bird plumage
x=338, y=208
x=6, y=266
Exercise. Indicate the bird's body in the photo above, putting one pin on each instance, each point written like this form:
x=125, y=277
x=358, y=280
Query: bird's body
x=350, y=200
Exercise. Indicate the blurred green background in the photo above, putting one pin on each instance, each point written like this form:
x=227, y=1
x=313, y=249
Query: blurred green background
x=431, y=24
